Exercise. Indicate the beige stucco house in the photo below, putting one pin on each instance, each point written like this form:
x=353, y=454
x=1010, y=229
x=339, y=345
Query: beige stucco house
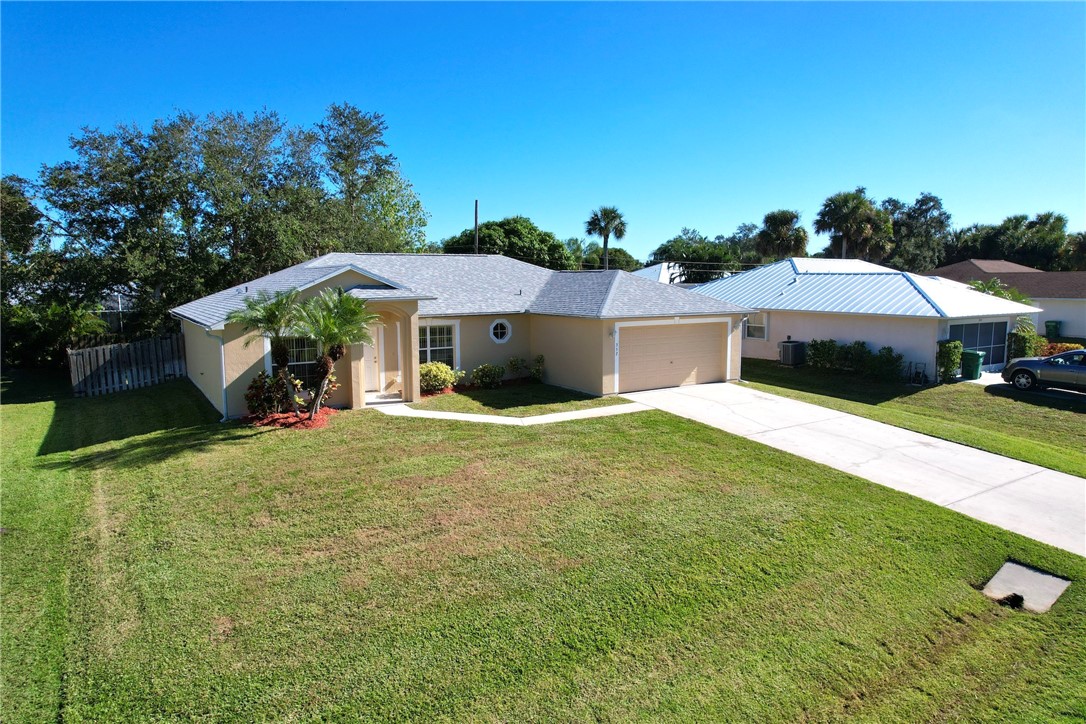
x=601, y=332
x=849, y=300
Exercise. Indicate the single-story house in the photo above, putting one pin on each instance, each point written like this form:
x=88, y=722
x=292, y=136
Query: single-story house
x=852, y=300
x=1060, y=295
x=601, y=332
x=667, y=272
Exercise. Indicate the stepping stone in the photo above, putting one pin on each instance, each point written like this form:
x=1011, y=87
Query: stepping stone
x=1025, y=587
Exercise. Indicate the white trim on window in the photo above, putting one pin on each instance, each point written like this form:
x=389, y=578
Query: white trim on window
x=439, y=322
x=267, y=356
x=508, y=331
x=764, y=326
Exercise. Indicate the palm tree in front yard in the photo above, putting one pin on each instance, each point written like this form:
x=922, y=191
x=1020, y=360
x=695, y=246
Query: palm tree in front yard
x=273, y=317
x=333, y=320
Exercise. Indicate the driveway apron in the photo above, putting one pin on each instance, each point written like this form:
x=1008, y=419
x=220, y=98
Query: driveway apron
x=1042, y=504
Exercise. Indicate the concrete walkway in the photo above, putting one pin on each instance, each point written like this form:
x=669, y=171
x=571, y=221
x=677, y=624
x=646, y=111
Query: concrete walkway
x=402, y=410
x=1036, y=502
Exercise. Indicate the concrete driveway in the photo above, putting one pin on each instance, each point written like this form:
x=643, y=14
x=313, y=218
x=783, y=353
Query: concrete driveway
x=1036, y=502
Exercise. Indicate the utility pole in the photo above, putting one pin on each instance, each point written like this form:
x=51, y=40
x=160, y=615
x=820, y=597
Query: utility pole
x=476, y=226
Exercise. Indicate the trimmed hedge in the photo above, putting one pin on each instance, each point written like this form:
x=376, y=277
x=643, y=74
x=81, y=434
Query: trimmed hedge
x=948, y=359
x=886, y=365
x=438, y=376
x=488, y=376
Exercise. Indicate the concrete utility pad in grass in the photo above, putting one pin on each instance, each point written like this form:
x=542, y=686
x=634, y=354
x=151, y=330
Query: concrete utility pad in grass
x=1039, y=590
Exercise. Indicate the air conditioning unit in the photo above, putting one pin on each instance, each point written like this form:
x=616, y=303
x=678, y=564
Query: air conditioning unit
x=793, y=354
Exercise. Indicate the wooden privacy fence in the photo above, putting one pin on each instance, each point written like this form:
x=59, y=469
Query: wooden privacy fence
x=116, y=367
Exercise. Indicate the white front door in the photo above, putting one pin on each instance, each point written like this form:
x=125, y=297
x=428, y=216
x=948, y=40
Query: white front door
x=370, y=367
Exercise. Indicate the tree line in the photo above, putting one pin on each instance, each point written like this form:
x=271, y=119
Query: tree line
x=914, y=237
x=155, y=217
x=150, y=218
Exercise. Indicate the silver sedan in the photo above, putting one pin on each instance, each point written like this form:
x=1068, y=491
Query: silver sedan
x=1066, y=370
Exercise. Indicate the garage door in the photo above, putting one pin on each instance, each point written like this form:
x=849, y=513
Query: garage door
x=670, y=355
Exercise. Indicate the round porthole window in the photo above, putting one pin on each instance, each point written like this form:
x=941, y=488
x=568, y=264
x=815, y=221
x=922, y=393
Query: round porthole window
x=500, y=331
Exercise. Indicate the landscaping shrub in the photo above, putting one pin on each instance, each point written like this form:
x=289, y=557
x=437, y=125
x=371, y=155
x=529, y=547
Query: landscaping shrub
x=1025, y=344
x=853, y=357
x=886, y=365
x=488, y=376
x=1052, y=348
x=267, y=395
x=822, y=353
x=948, y=359
x=437, y=376
x=536, y=373
x=516, y=365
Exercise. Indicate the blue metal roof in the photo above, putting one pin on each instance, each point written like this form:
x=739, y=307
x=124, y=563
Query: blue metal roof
x=848, y=286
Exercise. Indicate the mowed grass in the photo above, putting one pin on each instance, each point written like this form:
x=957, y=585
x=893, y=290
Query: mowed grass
x=517, y=400
x=159, y=565
x=1044, y=429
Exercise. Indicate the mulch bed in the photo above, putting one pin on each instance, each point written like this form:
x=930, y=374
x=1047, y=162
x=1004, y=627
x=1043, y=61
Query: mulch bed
x=289, y=421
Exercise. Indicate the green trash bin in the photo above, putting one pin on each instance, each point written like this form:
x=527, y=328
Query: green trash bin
x=1052, y=328
x=971, y=363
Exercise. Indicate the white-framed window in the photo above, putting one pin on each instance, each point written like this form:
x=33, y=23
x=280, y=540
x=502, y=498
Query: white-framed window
x=437, y=343
x=501, y=330
x=757, y=325
x=303, y=360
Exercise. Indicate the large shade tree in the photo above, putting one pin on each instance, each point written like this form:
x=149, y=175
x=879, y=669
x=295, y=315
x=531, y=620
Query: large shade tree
x=921, y=232
x=605, y=222
x=273, y=317
x=698, y=258
x=855, y=225
x=333, y=320
x=781, y=236
x=515, y=237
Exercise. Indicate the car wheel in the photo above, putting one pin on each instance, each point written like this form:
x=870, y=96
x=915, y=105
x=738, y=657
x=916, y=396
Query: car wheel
x=1023, y=380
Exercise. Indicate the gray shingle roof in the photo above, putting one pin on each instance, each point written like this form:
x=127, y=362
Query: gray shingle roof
x=616, y=294
x=450, y=284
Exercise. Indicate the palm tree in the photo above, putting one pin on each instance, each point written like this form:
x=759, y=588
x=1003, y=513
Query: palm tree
x=852, y=219
x=333, y=320
x=605, y=222
x=273, y=316
x=781, y=236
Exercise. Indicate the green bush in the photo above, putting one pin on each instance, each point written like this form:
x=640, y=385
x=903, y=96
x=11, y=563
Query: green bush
x=822, y=353
x=488, y=376
x=437, y=376
x=516, y=365
x=268, y=395
x=1025, y=344
x=886, y=365
x=536, y=373
x=948, y=359
x=853, y=357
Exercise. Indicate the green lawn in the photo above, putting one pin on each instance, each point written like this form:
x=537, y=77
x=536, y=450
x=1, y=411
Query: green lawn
x=519, y=400
x=159, y=565
x=1046, y=430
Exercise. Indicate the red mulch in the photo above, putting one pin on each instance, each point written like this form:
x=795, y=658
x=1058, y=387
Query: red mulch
x=288, y=420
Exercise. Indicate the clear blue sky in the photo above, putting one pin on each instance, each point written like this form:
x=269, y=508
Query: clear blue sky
x=700, y=115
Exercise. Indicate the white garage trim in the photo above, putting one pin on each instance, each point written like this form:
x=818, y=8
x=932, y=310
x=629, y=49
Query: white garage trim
x=678, y=320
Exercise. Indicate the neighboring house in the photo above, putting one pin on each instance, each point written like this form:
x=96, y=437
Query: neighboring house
x=666, y=273
x=849, y=300
x=601, y=332
x=1060, y=295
